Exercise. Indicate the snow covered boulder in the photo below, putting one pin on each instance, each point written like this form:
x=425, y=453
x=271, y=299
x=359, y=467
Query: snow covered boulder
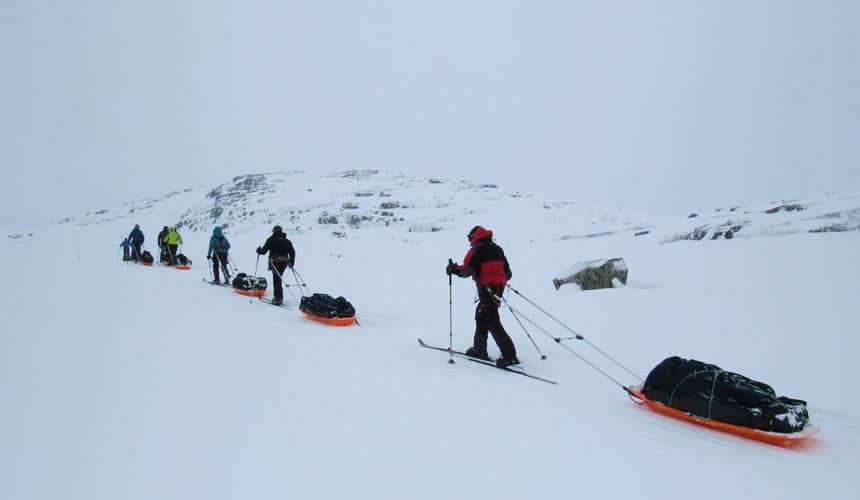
x=594, y=274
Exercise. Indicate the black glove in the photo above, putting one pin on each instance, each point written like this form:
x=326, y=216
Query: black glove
x=451, y=269
x=260, y=251
x=208, y=257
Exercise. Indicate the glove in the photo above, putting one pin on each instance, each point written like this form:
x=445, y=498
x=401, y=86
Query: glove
x=208, y=257
x=451, y=269
x=260, y=251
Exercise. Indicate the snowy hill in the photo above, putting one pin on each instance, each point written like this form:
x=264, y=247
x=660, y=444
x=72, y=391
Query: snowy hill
x=120, y=381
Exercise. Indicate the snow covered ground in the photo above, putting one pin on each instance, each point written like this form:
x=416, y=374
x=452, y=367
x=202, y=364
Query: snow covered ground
x=120, y=381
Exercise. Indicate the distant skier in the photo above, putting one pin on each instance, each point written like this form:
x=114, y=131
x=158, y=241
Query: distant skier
x=485, y=262
x=126, y=247
x=161, y=246
x=172, y=242
x=135, y=237
x=219, y=247
x=281, y=256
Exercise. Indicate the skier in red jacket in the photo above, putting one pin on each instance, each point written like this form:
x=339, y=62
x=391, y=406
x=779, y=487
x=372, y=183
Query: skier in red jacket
x=485, y=262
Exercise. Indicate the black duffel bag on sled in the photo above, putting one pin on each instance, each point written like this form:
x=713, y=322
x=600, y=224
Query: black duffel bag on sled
x=710, y=392
x=249, y=283
x=326, y=306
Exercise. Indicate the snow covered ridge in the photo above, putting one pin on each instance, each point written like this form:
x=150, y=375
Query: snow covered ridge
x=343, y=203
x=131, y=210
x=829, y=213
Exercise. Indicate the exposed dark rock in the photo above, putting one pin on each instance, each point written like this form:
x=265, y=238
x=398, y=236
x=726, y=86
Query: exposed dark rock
x=595, y=274
x=692, y=215
x=327, y=219
x=795, y=207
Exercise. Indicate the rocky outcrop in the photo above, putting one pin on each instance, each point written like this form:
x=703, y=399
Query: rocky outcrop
x=594, y=274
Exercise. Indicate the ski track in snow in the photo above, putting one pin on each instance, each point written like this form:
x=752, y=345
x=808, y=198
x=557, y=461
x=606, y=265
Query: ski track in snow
x=119, y=381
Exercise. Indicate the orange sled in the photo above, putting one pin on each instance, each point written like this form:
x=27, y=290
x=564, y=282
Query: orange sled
x=331, y=321
x=774, y=438
x=182, y=267
x=147, y=264
x=250, y=293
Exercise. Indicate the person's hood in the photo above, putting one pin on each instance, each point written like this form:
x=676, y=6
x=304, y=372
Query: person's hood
x=479, y=233
x=217, y=231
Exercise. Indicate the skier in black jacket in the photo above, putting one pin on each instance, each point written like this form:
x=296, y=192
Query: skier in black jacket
x=281, y=256
x=164, y=254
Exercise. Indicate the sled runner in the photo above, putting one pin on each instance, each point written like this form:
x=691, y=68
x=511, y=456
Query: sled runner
x=347, y=321
x=774, y=438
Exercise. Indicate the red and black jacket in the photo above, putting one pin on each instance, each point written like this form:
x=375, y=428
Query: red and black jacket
x=485, y=262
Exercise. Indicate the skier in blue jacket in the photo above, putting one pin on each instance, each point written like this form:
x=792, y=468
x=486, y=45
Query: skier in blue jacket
x=126, y=246
x=219, y=247
x=136, y=239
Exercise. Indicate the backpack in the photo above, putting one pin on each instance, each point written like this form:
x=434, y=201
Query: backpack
x=244, y=282
x=326, y=306
x=220, y=245
x=147, y=257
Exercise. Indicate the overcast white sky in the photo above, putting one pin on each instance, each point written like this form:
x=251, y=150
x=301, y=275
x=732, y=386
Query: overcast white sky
x=663, y=105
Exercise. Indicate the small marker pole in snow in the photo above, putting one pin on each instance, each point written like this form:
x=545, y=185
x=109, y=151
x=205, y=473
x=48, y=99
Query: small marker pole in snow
x=450, y=317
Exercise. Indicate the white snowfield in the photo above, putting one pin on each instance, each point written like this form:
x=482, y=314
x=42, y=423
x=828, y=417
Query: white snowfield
x=119, y=381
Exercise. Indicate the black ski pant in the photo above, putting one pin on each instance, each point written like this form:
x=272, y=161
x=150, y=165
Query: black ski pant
x=135, y=250
x=487, y=321
x=278, y=266
x=219, y=261
x=173, y=249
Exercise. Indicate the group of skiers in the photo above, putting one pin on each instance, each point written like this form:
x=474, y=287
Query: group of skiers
x=485, y=263
x=168, y=242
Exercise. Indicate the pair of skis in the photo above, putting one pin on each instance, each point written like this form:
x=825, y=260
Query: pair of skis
x=485, y=362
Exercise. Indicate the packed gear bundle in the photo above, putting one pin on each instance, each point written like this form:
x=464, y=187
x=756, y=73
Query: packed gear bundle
x=326, y=306
x=249, y=286
x=146, y=258
x=708, y=391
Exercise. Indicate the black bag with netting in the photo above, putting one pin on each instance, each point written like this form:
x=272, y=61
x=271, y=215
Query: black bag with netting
x=711, y=392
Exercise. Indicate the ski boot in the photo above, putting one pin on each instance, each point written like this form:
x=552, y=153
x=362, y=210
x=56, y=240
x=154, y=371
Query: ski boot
x=277, y=302
x=474, y=353
x=506, y=362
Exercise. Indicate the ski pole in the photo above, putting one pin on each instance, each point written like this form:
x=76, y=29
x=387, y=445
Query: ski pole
x=257, y=264
x=575, y=333
x=450, y=316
